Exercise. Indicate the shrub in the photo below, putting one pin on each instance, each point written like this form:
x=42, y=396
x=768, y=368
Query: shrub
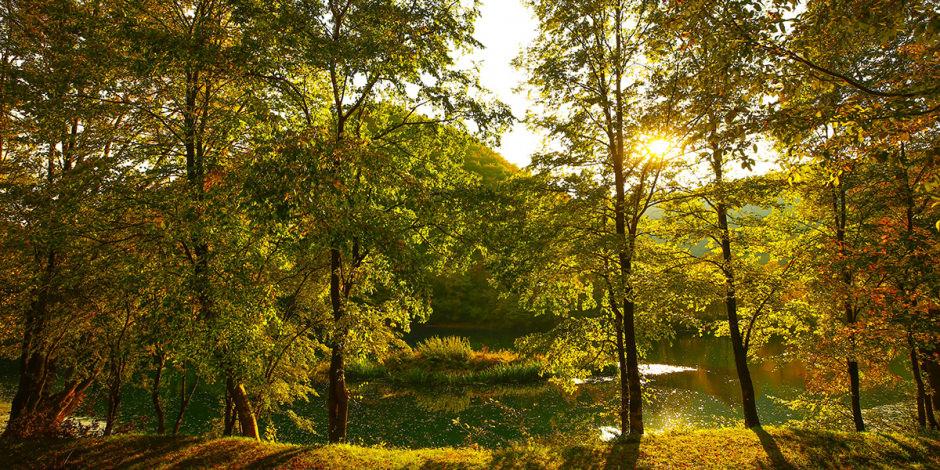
x=451, y=350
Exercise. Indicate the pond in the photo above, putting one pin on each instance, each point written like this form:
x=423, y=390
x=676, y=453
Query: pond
x=690, y=382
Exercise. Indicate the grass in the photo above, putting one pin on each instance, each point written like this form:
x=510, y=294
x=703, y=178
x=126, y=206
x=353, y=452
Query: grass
x=448, y=352
x=449, y=361
x=716, y=448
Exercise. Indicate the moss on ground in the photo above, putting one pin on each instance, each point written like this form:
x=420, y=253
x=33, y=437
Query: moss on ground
x=721, y=448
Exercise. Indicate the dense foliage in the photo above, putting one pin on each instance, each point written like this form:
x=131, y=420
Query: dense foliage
x=242, y=193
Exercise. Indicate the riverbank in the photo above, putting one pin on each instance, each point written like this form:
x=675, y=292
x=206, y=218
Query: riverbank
x=773, y=448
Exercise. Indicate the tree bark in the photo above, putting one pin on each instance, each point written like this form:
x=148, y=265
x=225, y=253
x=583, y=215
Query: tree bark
x=748, y=397
x=33, y=365
x=856, y=395
x=34, y=410
x=633, y=369
x=338, y=400
x=246, y=417
x=114, y=401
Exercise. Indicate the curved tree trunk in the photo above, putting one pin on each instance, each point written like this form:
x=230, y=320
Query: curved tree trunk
x=748, y=398
x=246, y=417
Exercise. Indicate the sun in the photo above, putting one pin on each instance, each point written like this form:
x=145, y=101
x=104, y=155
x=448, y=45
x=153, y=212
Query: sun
x=658, y=147
x=655, y=147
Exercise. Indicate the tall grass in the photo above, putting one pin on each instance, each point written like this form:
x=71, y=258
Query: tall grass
x=450, y=350
x=448, y=361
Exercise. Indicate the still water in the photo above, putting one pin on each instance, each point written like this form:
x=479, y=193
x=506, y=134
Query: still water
x=688, y=383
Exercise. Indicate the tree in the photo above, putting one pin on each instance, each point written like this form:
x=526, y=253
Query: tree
x=390, y=73
x=587, y=66
x=194, y=94
x=855, y=86
x=715, y=87
x=62, y=224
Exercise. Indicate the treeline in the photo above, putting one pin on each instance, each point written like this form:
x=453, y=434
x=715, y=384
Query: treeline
x=776, y=158
x=232, y=191
x=227, y=192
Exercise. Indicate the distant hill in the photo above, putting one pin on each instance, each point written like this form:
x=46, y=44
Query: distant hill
x=489, y=164
x=468, y=298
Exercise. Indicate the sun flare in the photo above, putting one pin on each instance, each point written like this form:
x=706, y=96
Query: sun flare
x=656, y=147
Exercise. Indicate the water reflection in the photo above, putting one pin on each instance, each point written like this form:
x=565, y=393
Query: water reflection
x=689, y=383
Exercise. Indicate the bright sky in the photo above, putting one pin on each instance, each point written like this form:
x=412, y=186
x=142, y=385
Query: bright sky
x=505, y=27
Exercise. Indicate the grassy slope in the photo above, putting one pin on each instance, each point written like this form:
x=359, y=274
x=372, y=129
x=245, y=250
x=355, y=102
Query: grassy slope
x=732, y=448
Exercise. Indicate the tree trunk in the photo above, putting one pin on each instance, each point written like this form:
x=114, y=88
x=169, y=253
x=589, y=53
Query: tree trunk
x=856, y=395
x=159, y=361
x=338, y=399
x=46, y=415
x=338, y=396
x=231, y=415
x=34, y=410
x=930, y=364
x=246, y=417
x=748, y=398
x=33, y=363
x=622, y=368
x=841, y=220
x=185, y=399
x=919, y=382
x=633, y=368
x=115, y=383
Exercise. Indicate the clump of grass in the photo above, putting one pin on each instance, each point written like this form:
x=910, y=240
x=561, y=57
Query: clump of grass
x=363, y=369
x=447, y=351
x=448, y=361
x=515, y=372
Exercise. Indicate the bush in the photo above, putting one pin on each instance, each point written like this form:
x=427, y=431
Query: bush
x=448, y=351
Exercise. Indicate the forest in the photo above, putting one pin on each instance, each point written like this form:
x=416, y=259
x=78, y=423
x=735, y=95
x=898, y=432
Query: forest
x=289, y=233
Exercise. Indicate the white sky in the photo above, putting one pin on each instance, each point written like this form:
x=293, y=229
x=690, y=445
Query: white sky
x=505, y=27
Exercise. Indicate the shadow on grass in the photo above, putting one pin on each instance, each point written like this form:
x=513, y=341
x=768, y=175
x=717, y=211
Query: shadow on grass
x=277, y=460
x=619, y=455
x=777, y=459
